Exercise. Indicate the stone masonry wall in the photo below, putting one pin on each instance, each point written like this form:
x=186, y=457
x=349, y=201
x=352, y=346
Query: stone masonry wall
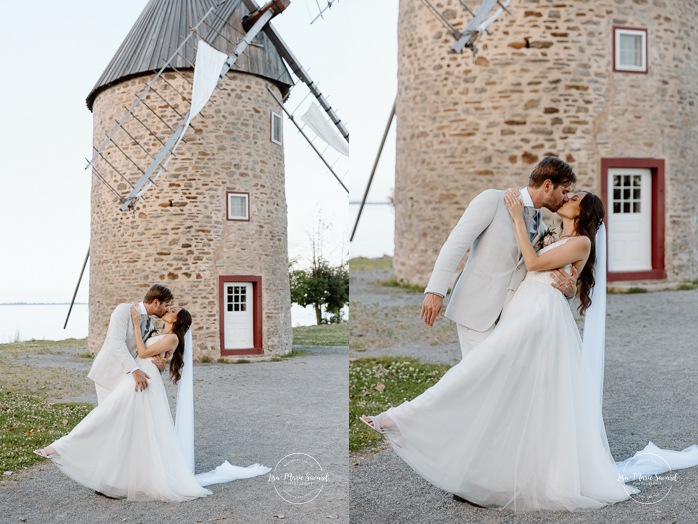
x=178, y=235
x=542, y=84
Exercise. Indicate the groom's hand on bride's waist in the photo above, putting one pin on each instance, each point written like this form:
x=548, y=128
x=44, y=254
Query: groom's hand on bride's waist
x=141, y=379
x=431, y=308
x=159, y=362
x=565, y=283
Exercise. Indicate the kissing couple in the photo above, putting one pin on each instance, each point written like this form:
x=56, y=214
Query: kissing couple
x=517, y=423
x=129, y=446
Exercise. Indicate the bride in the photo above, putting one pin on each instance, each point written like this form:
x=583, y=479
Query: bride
x=514, y=424
x=127, y=446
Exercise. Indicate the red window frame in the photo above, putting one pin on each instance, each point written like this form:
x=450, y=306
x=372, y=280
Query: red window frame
x=647, y=56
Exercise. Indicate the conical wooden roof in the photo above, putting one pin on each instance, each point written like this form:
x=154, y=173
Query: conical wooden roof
x=164, y=24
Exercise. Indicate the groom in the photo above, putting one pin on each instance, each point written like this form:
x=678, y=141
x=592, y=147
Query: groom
x=495, y=267
x=117, y=356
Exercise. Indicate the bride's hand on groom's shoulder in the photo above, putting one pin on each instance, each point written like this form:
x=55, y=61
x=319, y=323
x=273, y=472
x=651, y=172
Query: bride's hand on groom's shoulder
x=513, y=203
x=135, y=313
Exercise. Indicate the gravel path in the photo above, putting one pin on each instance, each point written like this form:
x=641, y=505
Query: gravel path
x=650, y=394
x=245, y=413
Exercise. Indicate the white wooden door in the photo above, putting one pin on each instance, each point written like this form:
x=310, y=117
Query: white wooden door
x=238, y=318
x=629, y=220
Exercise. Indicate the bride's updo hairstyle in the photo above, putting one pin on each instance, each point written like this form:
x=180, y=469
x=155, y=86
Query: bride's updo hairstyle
x=179, y=328
x=591, y=214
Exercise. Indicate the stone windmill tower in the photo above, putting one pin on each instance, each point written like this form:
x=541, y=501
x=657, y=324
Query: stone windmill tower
x=608, y=85
x=213, y=227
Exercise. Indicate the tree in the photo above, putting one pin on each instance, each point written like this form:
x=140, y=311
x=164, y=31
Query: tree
x=321, y=285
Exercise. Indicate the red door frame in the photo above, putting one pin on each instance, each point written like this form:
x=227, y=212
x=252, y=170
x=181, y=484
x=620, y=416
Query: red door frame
x=656, y=167
x=256, y=281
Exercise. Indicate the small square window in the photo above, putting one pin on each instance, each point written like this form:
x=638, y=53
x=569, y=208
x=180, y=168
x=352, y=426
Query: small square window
x=238, y=206
x=630, y=46
x=277, y=124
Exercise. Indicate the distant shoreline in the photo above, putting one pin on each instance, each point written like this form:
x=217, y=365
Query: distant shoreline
x=41, y=303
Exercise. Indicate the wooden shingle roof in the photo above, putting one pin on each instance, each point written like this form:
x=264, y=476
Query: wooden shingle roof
x=164, y=24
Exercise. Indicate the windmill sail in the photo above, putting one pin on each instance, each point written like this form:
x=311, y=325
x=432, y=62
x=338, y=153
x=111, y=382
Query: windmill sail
x=316, y=121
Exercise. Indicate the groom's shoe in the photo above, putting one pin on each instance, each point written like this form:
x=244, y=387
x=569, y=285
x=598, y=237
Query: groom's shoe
x=113, y=498
x=466, y=501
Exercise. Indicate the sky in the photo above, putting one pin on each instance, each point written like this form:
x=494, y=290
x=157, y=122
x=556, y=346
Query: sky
x=55, y=52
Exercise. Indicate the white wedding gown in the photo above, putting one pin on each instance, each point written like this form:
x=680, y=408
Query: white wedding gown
x=513, y=425
x=126, y=447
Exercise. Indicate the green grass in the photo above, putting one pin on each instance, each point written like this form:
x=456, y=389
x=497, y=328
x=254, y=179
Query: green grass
x=687, y=286
x=323, y=335
x=375, y=384
x=29, y=422
x=362, y=263
x=377, y=326
x=40, y=346
x=394, y=282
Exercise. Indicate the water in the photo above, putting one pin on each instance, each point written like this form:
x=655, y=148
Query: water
x=41, y=322
x=375, y=234
x=45, y=321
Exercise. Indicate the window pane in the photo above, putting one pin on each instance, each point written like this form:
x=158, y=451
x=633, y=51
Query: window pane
x=237, y=206
x=631, y=50
x=636, y=207
x=276, y=127
x=626, y=207
x=616, y=207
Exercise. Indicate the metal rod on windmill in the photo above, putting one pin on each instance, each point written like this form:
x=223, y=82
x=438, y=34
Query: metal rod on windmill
x=373, y=171
x=77, y=286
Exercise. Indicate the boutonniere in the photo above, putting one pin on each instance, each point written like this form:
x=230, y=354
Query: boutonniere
x=547, y=238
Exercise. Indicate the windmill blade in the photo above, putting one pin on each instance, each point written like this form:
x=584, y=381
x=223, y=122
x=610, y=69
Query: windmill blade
x=258, y=19
x=77, y=286
x=323, y=9
x=300, y=72
x=478, y=24
x=373, y=171
x=300, y=130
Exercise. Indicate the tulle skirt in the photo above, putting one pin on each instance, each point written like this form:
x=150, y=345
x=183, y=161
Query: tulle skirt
x=126, y=447
x=512, y=425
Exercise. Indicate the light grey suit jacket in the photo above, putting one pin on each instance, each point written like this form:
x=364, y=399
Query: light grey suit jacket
x=494, y=268
x=118, y=353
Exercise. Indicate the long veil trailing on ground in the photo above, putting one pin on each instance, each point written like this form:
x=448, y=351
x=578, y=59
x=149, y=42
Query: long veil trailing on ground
x=652, y=460
x=184, y=428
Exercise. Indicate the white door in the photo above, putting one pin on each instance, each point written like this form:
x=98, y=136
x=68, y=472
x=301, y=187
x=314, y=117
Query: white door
x=238, y=318
x=629, y=220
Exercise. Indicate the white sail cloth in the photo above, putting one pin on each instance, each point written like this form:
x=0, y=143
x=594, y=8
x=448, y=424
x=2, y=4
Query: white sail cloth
x=316, y=121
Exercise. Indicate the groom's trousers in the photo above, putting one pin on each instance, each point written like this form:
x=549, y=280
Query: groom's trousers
x=469, y=338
